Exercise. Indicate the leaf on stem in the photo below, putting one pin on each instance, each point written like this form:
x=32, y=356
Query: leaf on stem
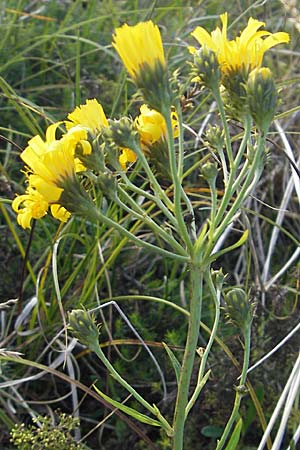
x=175, y=363
x=235, y=437
x=127, y=410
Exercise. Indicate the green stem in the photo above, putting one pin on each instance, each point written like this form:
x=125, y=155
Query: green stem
x=178, y=189
x=216, y=294
x=224, y=165
x=246, y=137
x=180, y=171
x=220, y=105
x=97, y=349
x=96, y=216
x=157, y=201
x=229, y=190
x=155, y=184
x=239, y=390
x=140, y=214
x=213, y=195
x=189, y=356
x=248, y=186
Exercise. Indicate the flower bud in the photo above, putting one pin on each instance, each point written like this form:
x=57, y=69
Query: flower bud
x=209, y=171
x=83, y=326
x=239, y=308
x=261, y=97
x=107, y=183
x=121, y=132
x=218, y=278
x=207, y=68
x=215, y=137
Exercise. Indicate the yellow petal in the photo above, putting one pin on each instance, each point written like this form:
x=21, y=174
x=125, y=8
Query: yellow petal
x=90, y=116
x=60, y=213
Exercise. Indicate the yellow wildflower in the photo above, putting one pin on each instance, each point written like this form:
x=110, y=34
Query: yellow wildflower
x=141, y=50
x=245, y=52
x=31, y=205
x=50, y=168
x=151, y=126
x=90, y=116
x=139, y=46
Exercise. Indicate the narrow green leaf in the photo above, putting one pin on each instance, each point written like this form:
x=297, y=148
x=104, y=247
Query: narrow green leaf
x=175, y=363
x=127, y=410
x=239, y=243
x=235, y=437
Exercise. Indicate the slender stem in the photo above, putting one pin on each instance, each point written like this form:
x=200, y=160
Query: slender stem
x=140, y=214
x=156, y=200
x=213, y=195
x=239, y=390
x=224, y=165
x=229, y=191
x=246, y=137
x=99, y=352
x=248, y=186
x=155, y=184
x=189, y=356
x=216, y=294
x=96, y=215
x=220, y=105
x=178, y=189
x=180, y=171
x=180, y=142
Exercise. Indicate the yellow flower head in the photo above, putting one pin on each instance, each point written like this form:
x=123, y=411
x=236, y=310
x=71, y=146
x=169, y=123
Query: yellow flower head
x=139, y=46
x=31, y=205
x=50, y=167
x=141, y=50
x=151, y=126
x=90, y=116
x=245, y=52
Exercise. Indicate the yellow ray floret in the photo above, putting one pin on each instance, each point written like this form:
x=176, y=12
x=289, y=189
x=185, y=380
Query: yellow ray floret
x=127, y=156
x=244, y=53
x=139, y=46
x=31, y=205
x=89, y=116
x=60, y=213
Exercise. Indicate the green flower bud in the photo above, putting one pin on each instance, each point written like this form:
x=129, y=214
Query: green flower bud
x=215, y=137
x=239, y=308
x=262, y=97
x=209, y=171
x=218, y=278
x=206, y=68
x=83, y=326
x=121, y=132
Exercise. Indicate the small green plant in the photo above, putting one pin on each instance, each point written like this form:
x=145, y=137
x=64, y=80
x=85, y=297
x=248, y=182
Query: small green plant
x=47, y=435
